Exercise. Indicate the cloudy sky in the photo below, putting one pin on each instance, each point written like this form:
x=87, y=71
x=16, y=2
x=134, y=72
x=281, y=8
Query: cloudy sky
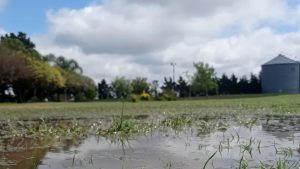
x=142, y=37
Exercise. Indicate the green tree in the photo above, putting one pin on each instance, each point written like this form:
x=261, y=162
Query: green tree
x=122, y=87
x=46, y=80
x=182, y=87
x=20, y=43
x=169, y=84
x=203, y=79
x=255, y=84
x=38, y=76
x=21, y=36
x=224, y=84
x=140, y=84
x=233, y=84
x=243, y=85
x=82, y=87
x=103, y=90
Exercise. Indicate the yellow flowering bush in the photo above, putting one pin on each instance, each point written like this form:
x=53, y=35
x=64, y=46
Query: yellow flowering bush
x=145, y=96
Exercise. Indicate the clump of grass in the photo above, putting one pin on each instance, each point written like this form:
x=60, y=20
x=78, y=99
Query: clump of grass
x=177, y=122
x=205, y=127
x=123, y=126
x=243, y=164
x=248, y=147
x=281, y=164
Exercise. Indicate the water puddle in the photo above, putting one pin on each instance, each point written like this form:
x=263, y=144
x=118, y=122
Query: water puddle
x=177, y=142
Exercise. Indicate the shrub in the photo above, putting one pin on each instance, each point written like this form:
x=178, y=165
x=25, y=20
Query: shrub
x=145, y=96
x=133, y=98
x=169, y=95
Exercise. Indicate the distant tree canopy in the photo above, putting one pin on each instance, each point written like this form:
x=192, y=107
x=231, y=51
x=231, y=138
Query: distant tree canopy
x=121, y=87
x=34, y=77
x=169, y=84
x=233, y=85
x=140, y=84
x=22, y=37
x=204, y=78
x=183, y=87
x=104, y=90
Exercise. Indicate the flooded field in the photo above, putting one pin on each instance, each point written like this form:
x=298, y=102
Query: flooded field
x=153, y=142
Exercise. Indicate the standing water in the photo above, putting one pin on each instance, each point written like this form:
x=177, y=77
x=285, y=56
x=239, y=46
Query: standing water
x=179, y=142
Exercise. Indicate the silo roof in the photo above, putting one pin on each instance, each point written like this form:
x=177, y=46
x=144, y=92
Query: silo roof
x=280, y=59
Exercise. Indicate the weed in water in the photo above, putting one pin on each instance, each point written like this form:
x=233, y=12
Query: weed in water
x=248, y=147
x=281, y=164
x=209, y=159
x=243, y=164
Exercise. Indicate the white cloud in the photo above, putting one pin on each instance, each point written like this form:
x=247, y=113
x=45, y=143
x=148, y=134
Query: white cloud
x=2, y=31
x=141, y=37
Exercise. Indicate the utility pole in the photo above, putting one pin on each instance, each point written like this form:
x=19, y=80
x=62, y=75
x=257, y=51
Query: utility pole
x=173, y=64
x=189, y=78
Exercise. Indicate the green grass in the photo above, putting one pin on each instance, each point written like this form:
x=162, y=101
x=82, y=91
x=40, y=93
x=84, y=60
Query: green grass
x=266, y=104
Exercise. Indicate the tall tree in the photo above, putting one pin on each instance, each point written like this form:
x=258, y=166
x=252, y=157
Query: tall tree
x=224, y=84
x=122, y=87
x=20, y=43
x=21, y=36
x=243, y=85
x=255, y=84
x=169, y=84
x=13, y=69
x=204, y=78
x=234, y=89
x=12, y=66
x=140, y=84
x=182, y=87
x=103, y=90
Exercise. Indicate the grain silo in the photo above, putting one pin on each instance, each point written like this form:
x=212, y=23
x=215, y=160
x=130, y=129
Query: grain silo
x=281, y=75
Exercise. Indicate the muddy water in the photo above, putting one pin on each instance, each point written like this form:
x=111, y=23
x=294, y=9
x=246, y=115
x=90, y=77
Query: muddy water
x=233, y=141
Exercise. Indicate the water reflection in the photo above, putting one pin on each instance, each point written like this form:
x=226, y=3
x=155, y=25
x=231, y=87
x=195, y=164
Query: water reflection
x=180, y=142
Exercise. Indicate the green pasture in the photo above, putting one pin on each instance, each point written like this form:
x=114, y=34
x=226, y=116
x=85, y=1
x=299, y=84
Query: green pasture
x=264, y=104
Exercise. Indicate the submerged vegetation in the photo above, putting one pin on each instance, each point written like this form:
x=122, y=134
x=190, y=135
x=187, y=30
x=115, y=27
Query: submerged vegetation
x=238, y=132
x=228, y=132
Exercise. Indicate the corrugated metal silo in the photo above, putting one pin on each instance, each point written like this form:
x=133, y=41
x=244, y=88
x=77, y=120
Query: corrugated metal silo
x=281, y=75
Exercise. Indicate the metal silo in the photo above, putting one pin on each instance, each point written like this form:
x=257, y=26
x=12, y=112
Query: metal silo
x=281, y=75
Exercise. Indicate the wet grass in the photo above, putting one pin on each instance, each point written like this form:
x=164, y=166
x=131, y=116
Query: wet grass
x=120, y=129
x=266, y=104
x=53, y=123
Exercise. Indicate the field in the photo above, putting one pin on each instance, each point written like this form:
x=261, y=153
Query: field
x=266, y=104
x=242, y=131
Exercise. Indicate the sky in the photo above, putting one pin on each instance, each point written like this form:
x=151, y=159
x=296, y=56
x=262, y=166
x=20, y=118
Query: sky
x=141, y=38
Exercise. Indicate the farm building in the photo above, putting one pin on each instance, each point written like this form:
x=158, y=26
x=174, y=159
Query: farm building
x=281, y=75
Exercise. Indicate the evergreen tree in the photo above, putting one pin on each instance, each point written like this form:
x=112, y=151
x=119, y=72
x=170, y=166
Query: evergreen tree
x=103, y=90
x=182, y=87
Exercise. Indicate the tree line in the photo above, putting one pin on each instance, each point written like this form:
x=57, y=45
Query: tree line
x=204, y=82
x=26, y=75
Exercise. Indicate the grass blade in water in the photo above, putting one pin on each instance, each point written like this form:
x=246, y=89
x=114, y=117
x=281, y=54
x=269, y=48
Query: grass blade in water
x=209, y=159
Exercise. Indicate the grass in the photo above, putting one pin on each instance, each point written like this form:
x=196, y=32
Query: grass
x=132, y=119
x=280, y=104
